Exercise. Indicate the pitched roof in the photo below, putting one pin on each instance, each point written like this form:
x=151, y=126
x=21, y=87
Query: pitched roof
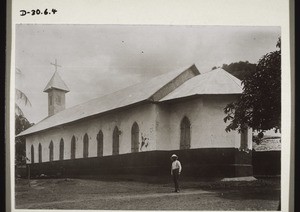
x=57, y=83
x=217, y=81
x=136, y=93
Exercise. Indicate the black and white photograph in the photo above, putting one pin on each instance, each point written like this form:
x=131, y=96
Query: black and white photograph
x=148, y=117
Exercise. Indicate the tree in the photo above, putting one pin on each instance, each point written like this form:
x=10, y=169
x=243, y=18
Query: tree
x=240, y=69
x=21, y=124
x=21, y=98
x=259, y=106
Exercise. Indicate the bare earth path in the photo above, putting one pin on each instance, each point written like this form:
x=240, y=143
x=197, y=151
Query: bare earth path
x=97, y=194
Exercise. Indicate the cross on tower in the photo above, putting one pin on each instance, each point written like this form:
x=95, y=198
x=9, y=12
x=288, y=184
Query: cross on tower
x=55, y=64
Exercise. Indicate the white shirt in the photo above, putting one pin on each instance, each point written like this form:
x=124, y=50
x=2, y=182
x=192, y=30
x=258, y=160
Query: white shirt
x=176, y=165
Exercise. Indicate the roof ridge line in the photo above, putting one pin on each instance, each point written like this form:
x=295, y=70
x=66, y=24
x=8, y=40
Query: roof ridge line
x=107, y=94
x=228, y=75
x=210, y=76
x=185, y=69
x=123, y=89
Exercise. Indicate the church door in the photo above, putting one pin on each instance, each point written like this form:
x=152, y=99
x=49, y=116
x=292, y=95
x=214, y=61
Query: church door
x=185, y=134
x=73, y=148
x=32, y=154
x=61, y=149
x=40, y=153
x=116, y=141
x=100, y=144
x=135, y=137
x=85, y=146
x=51, y=151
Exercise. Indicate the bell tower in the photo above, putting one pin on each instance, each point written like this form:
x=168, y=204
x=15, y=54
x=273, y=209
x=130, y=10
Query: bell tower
x=56, y=89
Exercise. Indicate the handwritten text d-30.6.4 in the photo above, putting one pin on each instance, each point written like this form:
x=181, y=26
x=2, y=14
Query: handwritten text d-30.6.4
x=38, y=12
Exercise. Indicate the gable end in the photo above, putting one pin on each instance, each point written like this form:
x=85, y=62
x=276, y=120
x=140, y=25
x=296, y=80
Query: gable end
x=175, y=83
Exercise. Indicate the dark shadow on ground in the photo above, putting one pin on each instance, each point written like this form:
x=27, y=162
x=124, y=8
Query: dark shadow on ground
x=253, y=194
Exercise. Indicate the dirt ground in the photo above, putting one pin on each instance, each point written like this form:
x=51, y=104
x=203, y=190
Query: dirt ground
x=128, y=194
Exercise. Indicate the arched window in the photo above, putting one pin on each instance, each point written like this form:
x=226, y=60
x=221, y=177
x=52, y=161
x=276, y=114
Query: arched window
x=51, y=151
x=61, y=149
x=40, y=153
x=85, y=146
x=73, y=148
x=32, y=154
x=135, y=137
x=100, y=144
x=185, y=133
x=116, y=141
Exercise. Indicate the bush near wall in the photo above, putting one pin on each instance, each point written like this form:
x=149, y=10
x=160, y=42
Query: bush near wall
x=21, y=171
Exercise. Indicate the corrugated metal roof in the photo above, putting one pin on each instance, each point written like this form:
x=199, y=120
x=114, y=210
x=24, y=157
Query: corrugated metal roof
x=57, y=83
x=127, y=96
x=217, y=81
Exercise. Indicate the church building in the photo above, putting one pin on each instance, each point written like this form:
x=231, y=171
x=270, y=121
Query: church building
x=135, y=130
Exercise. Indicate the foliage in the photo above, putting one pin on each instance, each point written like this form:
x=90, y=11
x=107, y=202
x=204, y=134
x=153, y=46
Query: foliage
x=259, y=106
x=258, y=138
x=21, y=124
x=240, y=69
x=20, y=97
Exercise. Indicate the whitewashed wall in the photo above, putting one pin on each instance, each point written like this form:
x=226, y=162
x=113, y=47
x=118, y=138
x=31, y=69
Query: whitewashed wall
x=207, y=126
x=144, y=115
x=159, y=124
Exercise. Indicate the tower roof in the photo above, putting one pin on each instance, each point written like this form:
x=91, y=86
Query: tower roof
x=56, y=83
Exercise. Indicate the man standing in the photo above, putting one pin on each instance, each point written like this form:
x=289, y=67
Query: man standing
x=175, y=171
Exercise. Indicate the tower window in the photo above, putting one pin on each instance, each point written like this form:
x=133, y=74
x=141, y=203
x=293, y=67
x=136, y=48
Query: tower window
x=58, y=100
x=50, y=99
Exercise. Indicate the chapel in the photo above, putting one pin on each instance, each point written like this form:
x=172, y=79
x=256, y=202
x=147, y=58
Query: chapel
x=135, y=130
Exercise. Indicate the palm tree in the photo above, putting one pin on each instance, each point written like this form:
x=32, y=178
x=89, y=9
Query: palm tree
x=20, y=98
x=21, y=123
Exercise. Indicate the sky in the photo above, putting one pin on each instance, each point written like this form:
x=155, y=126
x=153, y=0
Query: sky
x=99, y=59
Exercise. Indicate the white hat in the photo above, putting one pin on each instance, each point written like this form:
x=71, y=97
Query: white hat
x=174, y=156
